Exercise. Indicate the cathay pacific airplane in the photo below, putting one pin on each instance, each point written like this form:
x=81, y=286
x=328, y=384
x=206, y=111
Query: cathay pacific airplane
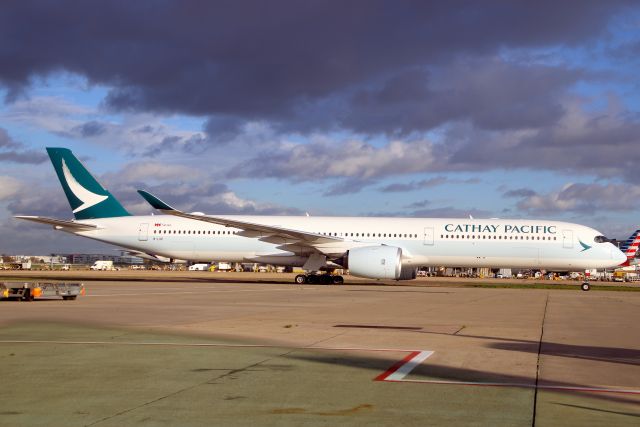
x=377, y=248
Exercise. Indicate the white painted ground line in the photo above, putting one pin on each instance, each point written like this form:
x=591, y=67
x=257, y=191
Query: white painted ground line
x=403, y=370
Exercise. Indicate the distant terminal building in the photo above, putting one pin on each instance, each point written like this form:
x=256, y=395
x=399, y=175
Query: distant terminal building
x=43, y=259
x=91, y=258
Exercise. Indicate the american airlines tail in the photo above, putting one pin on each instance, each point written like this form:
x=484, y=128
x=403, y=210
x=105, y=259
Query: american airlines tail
x=630, y=247
x=88, y=199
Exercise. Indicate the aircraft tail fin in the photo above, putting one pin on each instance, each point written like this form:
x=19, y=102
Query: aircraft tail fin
x=630, y=246
x=88, y=199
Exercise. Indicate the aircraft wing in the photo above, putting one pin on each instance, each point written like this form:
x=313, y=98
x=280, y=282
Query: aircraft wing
x=289, y=239
x=59, y=223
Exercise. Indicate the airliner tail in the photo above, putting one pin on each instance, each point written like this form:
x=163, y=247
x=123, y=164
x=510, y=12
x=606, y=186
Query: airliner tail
x=88, y=199
x=630, y=247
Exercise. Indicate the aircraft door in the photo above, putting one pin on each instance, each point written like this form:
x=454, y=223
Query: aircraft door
x=143, y=232
x=567, y=239
x=428, y=235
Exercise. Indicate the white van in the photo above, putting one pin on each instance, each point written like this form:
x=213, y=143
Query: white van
x=102, y=265
x=199, y=267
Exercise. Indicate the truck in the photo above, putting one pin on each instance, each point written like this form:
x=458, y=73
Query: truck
x=224, y=266
x=28, y=291
x=199, y=267
x=102, y=265
x=619, y=275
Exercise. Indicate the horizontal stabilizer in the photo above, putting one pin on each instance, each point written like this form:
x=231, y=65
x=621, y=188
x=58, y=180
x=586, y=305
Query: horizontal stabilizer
x=59, y=223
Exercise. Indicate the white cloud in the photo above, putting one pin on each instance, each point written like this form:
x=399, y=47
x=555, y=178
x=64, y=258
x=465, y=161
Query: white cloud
x=9, y=186
x=584, y=199
x=137, y=133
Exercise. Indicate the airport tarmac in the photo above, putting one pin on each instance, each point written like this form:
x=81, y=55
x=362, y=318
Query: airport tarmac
x=222, y=349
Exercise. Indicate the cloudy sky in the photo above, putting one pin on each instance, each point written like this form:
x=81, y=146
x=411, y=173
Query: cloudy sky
x=378, y=108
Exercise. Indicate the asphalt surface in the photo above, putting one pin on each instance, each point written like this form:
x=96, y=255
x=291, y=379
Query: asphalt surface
x=200, y=348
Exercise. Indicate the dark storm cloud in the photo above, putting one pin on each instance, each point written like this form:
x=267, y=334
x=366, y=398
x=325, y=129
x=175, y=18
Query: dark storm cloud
x=283, y=62
x=6, y=142
x=520, y=192
x=413, y=185
x=89, y=129
x=419, y=205
x=13, y=151
x=424, y=183
x=347, y=186
x=491, y=94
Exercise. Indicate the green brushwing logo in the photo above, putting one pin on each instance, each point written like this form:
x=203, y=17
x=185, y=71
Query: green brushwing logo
x=585, y=247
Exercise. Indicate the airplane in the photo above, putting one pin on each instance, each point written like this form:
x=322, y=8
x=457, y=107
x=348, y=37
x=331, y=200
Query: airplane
x=369, y=247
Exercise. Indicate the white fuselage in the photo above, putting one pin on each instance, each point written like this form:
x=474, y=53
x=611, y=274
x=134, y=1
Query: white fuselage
x=550, y=245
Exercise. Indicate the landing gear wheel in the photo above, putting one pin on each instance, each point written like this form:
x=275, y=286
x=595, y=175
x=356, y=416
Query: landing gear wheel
x=585, y=286
x=301, y=279
x=325, y=279
x=338, y=280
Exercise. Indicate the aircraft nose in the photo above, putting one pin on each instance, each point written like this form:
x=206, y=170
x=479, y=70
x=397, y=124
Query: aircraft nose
x=618, y=256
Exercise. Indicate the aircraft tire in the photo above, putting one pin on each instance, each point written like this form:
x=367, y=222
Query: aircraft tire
x=585, y=286
x=325, y=279
x=312, y=279
x=338, y=280
x=300, y=279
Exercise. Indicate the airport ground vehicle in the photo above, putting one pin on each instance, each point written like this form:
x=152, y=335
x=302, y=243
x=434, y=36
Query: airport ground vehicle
x=102, y=265
x=28, y=291
x=199, y=267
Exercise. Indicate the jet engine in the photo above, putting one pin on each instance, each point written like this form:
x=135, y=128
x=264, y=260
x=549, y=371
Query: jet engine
x=375, y=262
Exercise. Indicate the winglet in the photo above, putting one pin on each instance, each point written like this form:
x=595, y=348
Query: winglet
x=155, y=202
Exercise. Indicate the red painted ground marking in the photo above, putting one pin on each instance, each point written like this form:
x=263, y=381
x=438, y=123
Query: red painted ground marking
x=383, y=376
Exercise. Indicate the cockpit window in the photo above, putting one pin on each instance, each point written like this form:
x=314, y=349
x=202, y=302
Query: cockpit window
x=601, y=239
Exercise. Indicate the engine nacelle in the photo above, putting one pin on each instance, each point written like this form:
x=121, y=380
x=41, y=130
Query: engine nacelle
x=408, y=272
x=375, y=262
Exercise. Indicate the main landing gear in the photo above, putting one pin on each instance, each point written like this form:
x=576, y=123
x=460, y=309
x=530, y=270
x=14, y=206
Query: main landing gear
x=585, y=286
x=322, y=279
